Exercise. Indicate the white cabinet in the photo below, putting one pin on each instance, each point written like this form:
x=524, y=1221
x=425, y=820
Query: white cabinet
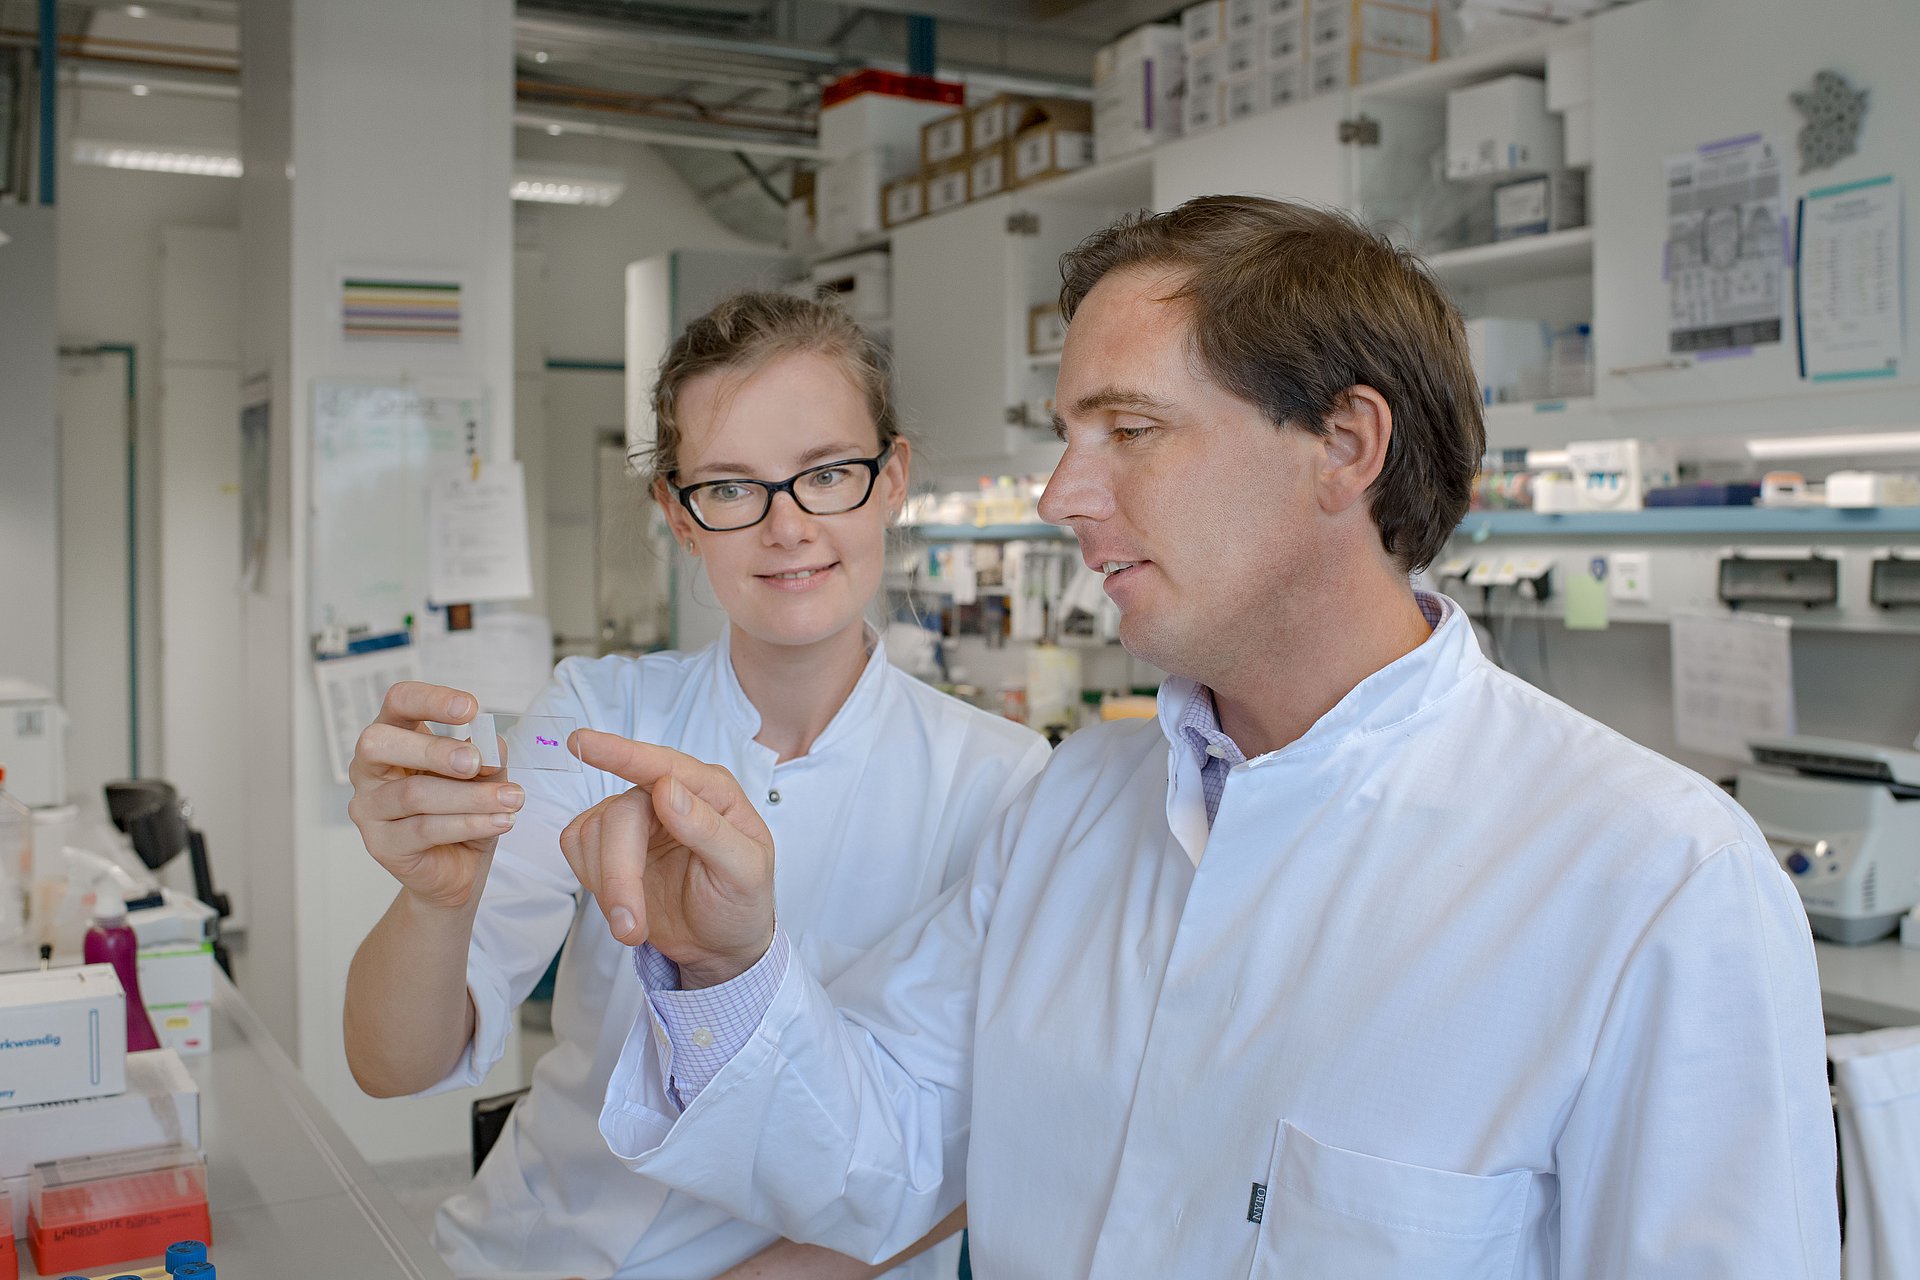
x=1294, y=153
x=963, y=284
x=1671, y=75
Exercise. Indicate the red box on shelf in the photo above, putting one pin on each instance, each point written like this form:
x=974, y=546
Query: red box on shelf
x=894, y=85
x=98, y=1211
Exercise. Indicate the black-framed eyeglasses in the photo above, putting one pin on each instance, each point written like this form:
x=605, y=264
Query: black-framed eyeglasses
x=830, y=489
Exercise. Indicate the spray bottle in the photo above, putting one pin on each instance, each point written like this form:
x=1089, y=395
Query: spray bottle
x=111, y=941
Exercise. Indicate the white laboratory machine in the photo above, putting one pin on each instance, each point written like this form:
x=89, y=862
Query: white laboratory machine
x=1844, y=820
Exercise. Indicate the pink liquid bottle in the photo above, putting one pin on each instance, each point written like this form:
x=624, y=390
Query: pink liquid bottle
x=111, y=941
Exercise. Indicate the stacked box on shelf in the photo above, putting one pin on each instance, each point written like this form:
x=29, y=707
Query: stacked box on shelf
x=1203, y=31
x=1358, y=42
x=1138, y=84
x=870, y=134
x=1501, y=128
x=1054, y=137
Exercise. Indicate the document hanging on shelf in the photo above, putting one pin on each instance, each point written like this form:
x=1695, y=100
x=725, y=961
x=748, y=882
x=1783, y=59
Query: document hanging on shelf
x=1851, y=269
x=353, y=687
x=477, y=536
x=504, y=660
x=1726, y=247
x=1732, y=681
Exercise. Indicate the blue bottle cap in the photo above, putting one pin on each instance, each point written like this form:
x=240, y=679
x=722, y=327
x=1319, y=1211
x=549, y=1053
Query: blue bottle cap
x=181, y=1252
x=195, y=1271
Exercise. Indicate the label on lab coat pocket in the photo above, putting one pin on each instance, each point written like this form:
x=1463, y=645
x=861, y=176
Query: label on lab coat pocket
x=1333, y=1212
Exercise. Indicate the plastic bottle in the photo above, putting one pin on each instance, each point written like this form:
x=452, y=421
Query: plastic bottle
x=16, y=863
x=111, y=941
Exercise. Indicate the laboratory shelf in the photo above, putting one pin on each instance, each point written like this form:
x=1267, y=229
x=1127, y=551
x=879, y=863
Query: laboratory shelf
x=1666, y=521
x=1125, y=181
x=986, y=532
x=1516, y=261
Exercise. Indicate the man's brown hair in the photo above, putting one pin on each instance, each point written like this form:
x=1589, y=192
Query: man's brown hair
x=1291, y=305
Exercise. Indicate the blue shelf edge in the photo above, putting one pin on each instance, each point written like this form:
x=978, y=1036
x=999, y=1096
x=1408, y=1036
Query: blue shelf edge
x=985, y=533
x=1656, y=521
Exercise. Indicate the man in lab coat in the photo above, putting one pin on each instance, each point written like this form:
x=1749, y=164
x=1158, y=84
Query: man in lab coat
x=1366, y=959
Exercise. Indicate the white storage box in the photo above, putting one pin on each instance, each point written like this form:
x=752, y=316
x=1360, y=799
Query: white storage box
x=1284, y=41
x=1204, y=109
x=1872, y=489
x=1540, y=203
x=1281, y=10
x=1287, y=85
x=1244, y=17
x=1369, y=24
x=63, y=1035
x=944, y=139
x=990, y=173
x=181, y=973
x=187, y=1029
x=1244, y=56
x=1203, y=26
x=947, y=186
x=33, y=744
x=1245, y=96
x=1341, y=68
x=869, y=120
x=1137, y=85
x=160, y=1107
x=847, y=192
x=1501, y=127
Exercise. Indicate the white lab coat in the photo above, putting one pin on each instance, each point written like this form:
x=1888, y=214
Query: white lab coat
x=1469, y=984
x=887, y=809
x=1877, y=1076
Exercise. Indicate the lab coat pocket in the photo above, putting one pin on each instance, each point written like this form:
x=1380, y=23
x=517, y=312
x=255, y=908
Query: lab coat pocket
x=1332, y=1214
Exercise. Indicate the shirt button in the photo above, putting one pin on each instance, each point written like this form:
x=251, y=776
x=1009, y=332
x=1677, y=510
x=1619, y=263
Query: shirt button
x=703, y=1038
x=773, y=797
x=1217, y=751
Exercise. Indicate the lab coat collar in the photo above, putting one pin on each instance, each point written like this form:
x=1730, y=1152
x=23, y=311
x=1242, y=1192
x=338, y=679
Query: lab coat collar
x=859, y=713
x=1399, y=690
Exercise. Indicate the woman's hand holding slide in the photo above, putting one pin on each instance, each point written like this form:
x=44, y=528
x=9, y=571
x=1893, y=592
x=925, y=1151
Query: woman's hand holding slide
x=682, y=860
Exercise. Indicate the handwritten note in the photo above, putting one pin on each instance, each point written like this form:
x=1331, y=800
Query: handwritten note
x=477, y=536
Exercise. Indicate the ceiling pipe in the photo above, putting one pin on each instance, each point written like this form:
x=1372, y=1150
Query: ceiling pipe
x=49, y=97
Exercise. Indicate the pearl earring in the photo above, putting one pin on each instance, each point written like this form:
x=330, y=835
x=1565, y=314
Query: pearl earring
x=689, y=546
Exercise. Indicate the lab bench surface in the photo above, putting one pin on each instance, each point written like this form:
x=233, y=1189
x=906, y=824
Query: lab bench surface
x=290, y=1196
x=1876, y=985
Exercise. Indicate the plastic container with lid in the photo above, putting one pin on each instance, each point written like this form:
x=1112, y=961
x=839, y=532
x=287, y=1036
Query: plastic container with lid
x=95, y=1211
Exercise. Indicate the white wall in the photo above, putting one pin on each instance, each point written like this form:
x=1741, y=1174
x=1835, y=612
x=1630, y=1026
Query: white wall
x=571, y=306
x=110, y=227
x=29, y=457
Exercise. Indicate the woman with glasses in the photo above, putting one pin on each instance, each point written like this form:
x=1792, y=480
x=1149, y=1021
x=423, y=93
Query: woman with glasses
x=779, y=464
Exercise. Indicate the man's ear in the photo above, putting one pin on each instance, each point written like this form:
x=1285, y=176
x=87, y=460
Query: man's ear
x=1353, y=448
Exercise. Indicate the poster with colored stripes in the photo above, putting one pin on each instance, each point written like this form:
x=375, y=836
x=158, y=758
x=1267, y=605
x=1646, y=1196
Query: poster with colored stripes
x=373, y=310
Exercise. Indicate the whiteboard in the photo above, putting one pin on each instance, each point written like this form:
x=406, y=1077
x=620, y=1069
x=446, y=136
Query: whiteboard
x=375, y=448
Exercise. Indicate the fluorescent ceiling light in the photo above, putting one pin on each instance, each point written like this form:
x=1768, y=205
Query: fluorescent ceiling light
x=206, y=161
x=567, y=184
x=1851, y=444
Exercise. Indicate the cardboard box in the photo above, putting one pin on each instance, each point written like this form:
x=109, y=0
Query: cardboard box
x=1206, y=72
x=1203, y=26
x=1203, y=111
x=1054, y=138
x=1244, y=96
x=903, y=200
x=1536, y=205
x=882, y=109
x=1283, y=10
x=1138, y=82
x=1373, y=24
x=1245, y=55
x=1342, y=68
x=63, y=1035
x=1287, y=84
x=944, y=139
x=990, y=172
x=862, y=282
x=947, y=186
x=161, y=1105
x=1501, y=126
x=1245, y=17
x=1046, y=329
x=997, y=120
x=1285, y=41
x=849, y=193
x=187, y=1029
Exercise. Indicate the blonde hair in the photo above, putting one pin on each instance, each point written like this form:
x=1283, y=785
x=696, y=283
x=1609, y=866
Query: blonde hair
x=743, y=333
